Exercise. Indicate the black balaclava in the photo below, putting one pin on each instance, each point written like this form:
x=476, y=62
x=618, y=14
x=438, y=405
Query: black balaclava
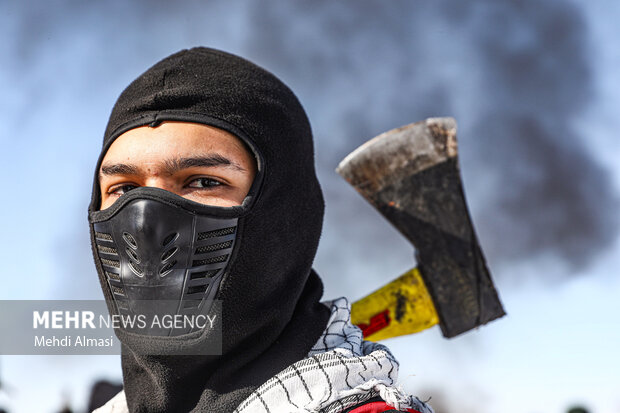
x=270, y=294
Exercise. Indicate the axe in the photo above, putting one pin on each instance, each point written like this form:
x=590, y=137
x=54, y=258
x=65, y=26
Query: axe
x=411, y=175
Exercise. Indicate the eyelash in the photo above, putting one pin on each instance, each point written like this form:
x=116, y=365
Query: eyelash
x=114, y=190
x=217, y=183
x=213, y=183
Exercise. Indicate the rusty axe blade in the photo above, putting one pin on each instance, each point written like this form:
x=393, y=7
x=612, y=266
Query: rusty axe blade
x=411, y=175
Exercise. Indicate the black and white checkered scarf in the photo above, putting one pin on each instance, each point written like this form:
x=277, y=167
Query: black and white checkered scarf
x=341, y=371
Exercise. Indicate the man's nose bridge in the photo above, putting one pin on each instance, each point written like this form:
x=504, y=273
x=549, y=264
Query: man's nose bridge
x=160, y=180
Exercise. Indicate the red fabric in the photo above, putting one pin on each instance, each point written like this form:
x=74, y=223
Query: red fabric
x=378, y=407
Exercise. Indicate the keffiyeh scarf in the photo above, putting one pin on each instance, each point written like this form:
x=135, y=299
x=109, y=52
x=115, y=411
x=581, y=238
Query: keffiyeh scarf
x=341, y=371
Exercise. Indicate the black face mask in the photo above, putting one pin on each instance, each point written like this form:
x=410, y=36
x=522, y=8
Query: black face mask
x=260, y=271
x=162, y=256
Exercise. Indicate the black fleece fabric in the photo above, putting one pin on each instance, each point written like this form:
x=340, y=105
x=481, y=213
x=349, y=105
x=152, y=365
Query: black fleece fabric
x=270, y=293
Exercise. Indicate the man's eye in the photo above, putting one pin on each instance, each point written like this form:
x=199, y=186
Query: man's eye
x=120, y=190
x=204, y=183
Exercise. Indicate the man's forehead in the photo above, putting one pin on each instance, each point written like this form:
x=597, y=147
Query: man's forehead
x=173, y=146
x=177, y=133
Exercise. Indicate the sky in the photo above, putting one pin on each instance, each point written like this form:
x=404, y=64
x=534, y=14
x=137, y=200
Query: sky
x=534, y=87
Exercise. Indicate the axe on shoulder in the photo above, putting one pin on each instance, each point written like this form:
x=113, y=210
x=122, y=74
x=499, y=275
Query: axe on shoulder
x=411, y=175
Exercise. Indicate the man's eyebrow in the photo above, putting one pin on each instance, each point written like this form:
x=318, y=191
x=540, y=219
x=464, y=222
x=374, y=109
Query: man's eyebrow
x=175, y=165
x=119, y=169
x=172, y=166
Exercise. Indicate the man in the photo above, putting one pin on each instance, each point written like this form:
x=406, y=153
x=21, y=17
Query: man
x=205, y=190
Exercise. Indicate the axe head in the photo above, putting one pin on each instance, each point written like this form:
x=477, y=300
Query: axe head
x=411, y=175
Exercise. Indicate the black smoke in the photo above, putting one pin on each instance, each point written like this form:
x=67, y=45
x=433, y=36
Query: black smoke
x=515, y=75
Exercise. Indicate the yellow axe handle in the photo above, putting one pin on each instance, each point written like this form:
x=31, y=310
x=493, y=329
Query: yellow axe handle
x=401, y=307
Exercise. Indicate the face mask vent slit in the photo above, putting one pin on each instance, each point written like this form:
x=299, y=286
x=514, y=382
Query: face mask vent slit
x=197, y=289
x=117, y=290
x=214, y=247
x=168, y=254
x=113, y=276
x=216, y=233
x=107, y=250
x=203, y=274
x=136, y=270
x=169, y=239
x=130, y=240
x=103, y=236
x=110, y=263
x=132, y=255
x=212, y=260
x=166, y=268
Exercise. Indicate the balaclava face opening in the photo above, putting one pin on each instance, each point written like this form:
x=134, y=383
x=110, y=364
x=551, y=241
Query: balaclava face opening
x=257, y=257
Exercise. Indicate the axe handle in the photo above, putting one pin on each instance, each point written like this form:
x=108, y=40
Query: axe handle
x=401, y=307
